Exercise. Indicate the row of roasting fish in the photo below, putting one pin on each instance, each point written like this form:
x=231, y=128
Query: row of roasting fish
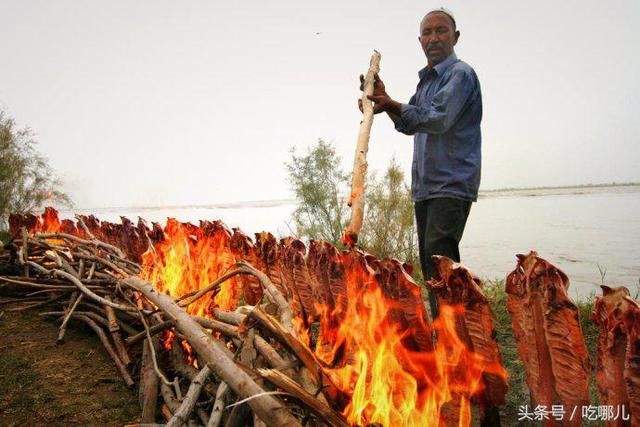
x=545, y=321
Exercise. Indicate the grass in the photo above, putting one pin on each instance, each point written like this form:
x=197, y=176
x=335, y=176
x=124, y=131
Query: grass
x=518, y=393
x=42, y=383
x=16, y=383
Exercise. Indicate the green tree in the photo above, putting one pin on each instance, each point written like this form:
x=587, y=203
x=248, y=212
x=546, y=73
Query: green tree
x=27, y=182
x=319, y=184
x=389, y=226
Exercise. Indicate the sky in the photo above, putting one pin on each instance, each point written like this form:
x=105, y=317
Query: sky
x=158, y=103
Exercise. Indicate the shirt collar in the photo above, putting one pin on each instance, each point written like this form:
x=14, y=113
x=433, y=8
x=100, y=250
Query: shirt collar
x=439, y=68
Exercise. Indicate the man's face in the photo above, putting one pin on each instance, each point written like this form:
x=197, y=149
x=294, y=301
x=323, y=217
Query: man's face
x=437, y=37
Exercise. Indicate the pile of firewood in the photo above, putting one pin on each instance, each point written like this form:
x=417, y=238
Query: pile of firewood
x=250, y=366
x=243, y=355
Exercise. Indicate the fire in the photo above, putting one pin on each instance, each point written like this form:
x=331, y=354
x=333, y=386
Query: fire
x=390, y=384
x=191, y=258
x=48, y=222
x=361, y=342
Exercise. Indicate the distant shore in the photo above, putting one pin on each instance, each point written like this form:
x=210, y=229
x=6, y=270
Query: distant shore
x=564, y=187
x=567, y=189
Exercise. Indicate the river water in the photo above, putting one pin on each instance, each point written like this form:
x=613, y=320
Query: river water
x=591, y=233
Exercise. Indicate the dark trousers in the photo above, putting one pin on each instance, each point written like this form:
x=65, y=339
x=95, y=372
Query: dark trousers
x=440, y=224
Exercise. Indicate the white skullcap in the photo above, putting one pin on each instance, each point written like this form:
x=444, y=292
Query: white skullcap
x=445, y=11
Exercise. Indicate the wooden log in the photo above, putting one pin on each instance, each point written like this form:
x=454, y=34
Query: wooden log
x=218, y=405
x=286, y=313
x=322, y=410
x=270, y=354
x=229, y=317
x=149, y=382
x=166, y=412
x=356, y=199
x=181, y=416
x=114, y=329
x=120, y=270
x=76, y=239
x=314, y=373
x=216, y=326
x=124, y=318
x=88, y=292
x=107, y=345
x=153, y=330
x=169, y=399
x=191, y=297
x=76, y=297
x=37, y=304
x=45, y=282
x=10, y=301
x=25, y=253
x=81, y=269
x=268, y=408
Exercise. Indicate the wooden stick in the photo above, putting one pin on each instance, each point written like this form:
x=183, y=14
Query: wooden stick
x=25, y=253
x=73, y=303
x=81, y=269
x=89, y=293
x=84, y=227
x=356, y=199
x=38, y=304
x=47, y=282
x=182, y=414
x=218, y=405
x=314, y=373
x=82, y=241
x=229, y=317
x=169, y=398
x=268, y=408
x=164, y=408
x=153, y=330
x=286, y=313
x=149, y=382
x=107, y=345
x=21, y=300
x=216, y=326
x=114, y=329
x=90, y=314
x=106, y=262
x=122, y=320
x=191, y=297
x=319, y=408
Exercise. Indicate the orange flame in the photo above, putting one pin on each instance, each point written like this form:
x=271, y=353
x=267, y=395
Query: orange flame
x=359, y=341
x=48, y=222
x=390, y=384
x=189, y=259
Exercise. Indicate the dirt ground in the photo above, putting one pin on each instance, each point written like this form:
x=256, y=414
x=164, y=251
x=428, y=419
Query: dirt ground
x=42, y=383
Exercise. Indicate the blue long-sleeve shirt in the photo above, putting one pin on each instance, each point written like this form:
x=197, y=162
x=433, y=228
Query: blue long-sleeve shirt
x=444, y=116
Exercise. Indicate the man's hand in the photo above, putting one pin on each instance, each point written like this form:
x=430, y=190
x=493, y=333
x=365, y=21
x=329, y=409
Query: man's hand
x=381, y=100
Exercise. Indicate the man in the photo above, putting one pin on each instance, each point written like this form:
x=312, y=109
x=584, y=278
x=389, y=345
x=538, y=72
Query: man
x=444, y=118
